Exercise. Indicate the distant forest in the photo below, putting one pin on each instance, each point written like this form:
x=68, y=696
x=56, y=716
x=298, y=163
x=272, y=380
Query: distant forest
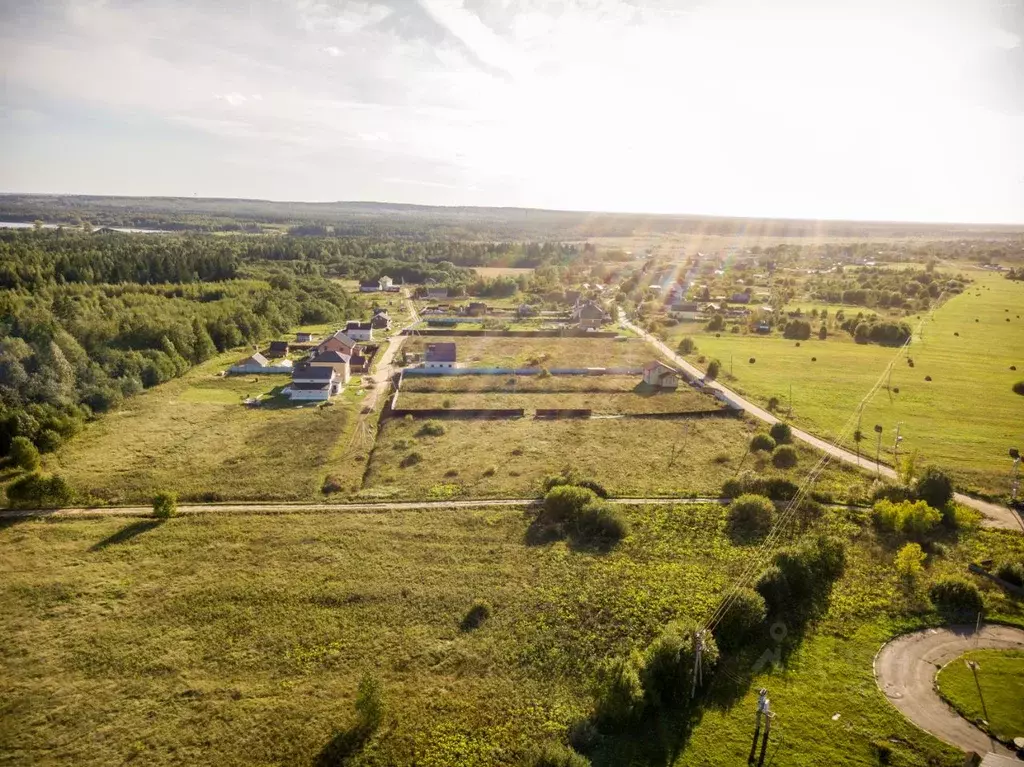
x=370, y=219
x=88, y=319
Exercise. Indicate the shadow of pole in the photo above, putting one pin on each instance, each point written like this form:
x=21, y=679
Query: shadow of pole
x=126, y=533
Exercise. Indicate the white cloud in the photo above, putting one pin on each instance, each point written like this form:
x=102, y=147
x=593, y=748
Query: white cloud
x=729, y=106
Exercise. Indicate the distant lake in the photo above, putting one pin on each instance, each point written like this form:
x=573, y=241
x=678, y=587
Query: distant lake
x=30, y=225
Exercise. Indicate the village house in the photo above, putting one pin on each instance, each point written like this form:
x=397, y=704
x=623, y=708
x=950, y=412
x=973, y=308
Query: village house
x=381, y=320
x=525, y=310
x=740, y=298
x=386, y=283
x=339, y=342
x=312, y=384
x=303, y=338
x=257, y=363
x=440, y=355
x=589, y=315
x=686, y=311
x=359, y=331
x=277, y=349
x=370, y=286
x=437, y=293
x=338, y=362
x=661, y=375
x=476, y=309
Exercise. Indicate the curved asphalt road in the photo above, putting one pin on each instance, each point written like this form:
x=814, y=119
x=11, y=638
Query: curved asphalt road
x=994, y=514
x=905, y=671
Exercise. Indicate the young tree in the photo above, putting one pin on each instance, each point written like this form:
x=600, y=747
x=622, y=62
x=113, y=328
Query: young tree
x=910, y=562
x=24, y=454
x=713, y=369
x=687, y=346
x=165, y=505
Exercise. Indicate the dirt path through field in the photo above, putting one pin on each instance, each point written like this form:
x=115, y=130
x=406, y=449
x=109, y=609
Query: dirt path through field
x=905, y=671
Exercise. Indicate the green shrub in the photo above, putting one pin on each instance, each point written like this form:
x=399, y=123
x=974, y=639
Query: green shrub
x=475, y=617
x=556, y=755
x=593, y=485
x=717, y=323
x=934, y=487
x=667, y=673
x=955, y=595
x=714, y=367
x=598, y=524
x=781, y=433
x=750, y=516
x=490, y=471
x=369, y=703
x=801, y=577
x=619, y=693
x=39, y=491
x=772, y=486
x=1012, y=572
x=909, y=561
x=742, y=618
x=165, y=505
x=431, y=429
x=784, y=457
x=773, y=402
x=563, y=503
x=1018, y=388
x=773, y=589
x=24, y=454
x=331, y=484
x=687, y=346
x=761, y=442
x=912, y=519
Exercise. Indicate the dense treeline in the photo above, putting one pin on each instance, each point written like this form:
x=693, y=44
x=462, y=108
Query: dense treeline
x=885, y=288
x=72, y=348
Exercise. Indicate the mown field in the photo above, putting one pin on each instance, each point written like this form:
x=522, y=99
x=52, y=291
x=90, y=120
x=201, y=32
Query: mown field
x=995, y=696
x=542, y=352
x=964, y=419
x=631, y=458
x=194, y=437
x=240, y=640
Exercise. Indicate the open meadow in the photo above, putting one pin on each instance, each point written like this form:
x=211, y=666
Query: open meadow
x=193, y=436
x=631, y=458
x=241, y=639
x=964, y=419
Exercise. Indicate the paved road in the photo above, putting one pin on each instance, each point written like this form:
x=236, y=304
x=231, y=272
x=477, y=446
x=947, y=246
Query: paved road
x=905, y=671
x=994, y=515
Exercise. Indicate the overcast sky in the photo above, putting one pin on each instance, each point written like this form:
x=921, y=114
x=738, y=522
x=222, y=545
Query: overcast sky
x=866, y=109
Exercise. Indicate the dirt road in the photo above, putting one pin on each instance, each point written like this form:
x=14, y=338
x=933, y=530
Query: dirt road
x=994, y=515
x=905, y=671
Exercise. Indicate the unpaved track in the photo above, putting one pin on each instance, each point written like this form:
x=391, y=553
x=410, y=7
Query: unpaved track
x=905, y=671
x=306, y=508
x=994, y=515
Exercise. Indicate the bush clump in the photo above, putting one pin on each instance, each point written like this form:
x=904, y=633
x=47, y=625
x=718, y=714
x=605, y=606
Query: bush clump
x=619, y=692
x=39, y=491
x=687, y=346
x=412, y=459
x=1012, y=572
x=909, y=561
x=165, y=505
x=934, y=487
x=772, y=486
x=563, y=503
x=598, y=525
x=714, y=367
x=24, y=454
x=800, y=578
x=784, y=457
x=913, y=519
x=667, y=673
x=750, y=516
x=742, y=618
x=957, y=596
x=781, y=433
x=369, y=704
x=475, y=617
x=762, y=442
x=331, y=484
x=556, y=755
x=431, y=429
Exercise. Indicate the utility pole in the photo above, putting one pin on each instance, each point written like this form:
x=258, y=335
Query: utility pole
x=878, y=452
x=1015, y=455
x=698, y=647
x=763, y=709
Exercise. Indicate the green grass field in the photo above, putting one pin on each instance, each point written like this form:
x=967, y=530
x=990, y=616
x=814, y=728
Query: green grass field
x=631, y=458
x=478, y=351
x=996, y=696
x=965, y=419
x=193, y=436
x=647, y=400
x=240, y=640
